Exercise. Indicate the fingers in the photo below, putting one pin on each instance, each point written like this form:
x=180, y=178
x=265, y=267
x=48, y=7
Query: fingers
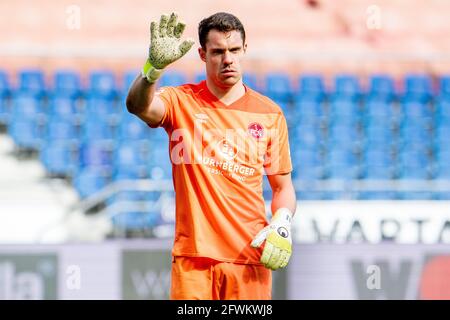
x=267, y=252
x=179, y=28
x=281, y=261
x=286, y=257
x=163, y=25
x=171, y=24
x=185, y=46
x=154, y=31
x=274, y=259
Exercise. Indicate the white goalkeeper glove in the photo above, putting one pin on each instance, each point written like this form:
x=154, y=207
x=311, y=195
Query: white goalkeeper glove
x=165, y=46
x=278, y=246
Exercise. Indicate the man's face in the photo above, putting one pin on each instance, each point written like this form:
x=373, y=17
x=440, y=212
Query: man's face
x=222, y=55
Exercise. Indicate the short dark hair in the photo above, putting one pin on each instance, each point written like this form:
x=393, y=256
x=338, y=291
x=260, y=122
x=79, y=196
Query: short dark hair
x=221, y=21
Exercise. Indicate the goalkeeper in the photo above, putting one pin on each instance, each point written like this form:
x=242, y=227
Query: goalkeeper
x=223, y=137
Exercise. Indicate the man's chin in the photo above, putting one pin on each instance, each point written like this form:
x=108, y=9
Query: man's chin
x=229, y=81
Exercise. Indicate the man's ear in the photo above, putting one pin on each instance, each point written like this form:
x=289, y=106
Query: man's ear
x=245, y=47
x=202, y=54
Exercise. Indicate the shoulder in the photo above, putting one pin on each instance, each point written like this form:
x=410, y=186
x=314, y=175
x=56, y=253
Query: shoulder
x=265, y=104
x=185, y=89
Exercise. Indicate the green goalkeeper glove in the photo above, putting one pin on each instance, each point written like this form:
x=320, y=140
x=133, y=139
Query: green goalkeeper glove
x=165, y=46
x=278, y=246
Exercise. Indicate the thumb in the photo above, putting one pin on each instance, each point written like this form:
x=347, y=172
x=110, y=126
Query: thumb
x=260, y=237
x=185, y=46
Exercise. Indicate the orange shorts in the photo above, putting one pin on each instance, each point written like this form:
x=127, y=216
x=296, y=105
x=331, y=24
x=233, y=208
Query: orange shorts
x=207, y=279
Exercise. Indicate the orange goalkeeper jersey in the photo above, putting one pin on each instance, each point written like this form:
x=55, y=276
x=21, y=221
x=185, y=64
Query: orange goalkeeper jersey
x=219, y=155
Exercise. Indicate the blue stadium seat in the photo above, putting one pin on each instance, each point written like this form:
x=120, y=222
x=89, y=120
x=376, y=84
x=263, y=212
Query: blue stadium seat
x=415, y=134
x=63, y=107
x=377, y=156
x=442, y=110
x=172, y=79
x=89, y=181
x=66, y=83
x=338, y=195
x=444, y=86
x=278, y=87
x=307, y=108
x=95, y=154
x=132, y=128
x=344, y=136
x=377, y=195
x=378, y=164
x=307, y=164
x=307, y=173
x=159, y=135
x=341, y=156
x=442, y=136
x=102, y=84
x=415, y=195
x=129, y=160
x=417, y=86
x=98, y=107
x=413, y=164
x=381, y=87
x=379, y=109
x=5, y=111
x=376, y=134
x=32, y=81
x=414, y=173
x=26, y=134
x=415, y=109
x=5, y=88
x=344, y=110
x=346, y=86
x=5, y=108
x=311, y=85
x=306, y=136
x=441, y=195
x=442, y=172
x=442, y=158
x=377, y=173
x=440, y=164
x=127, y=79
x=61, y=129
x=159, y=163
x=58, y=158
x=250, y=81
x=27, y=106
x=199, y=77
x=96, y=130
x=341, y=164
x=310, y=196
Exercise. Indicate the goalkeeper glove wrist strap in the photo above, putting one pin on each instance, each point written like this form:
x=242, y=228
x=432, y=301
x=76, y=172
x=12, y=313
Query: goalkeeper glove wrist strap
x=150, y=73
x=283, y=214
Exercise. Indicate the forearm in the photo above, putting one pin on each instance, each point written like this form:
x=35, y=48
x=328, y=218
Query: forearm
x=284, y=197
x=140, y=95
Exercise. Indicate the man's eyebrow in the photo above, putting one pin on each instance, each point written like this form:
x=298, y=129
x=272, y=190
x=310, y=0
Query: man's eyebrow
x=219, y=49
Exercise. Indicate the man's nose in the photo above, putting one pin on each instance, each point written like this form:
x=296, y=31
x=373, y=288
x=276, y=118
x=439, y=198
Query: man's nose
x=227, y=58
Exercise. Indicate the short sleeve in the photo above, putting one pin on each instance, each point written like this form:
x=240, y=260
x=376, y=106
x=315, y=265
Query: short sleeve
x=169, y=97
x=278, y=158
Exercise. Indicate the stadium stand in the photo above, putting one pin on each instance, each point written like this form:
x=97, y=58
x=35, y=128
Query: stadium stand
x=343, y=133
